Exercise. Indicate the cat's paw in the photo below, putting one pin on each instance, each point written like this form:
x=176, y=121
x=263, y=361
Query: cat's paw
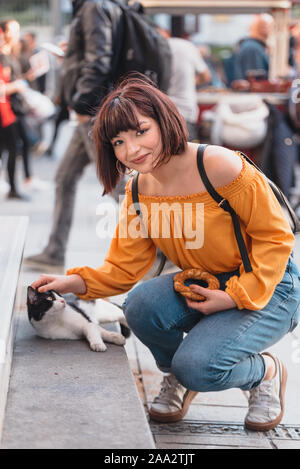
x=117, y=338
x=98, y=347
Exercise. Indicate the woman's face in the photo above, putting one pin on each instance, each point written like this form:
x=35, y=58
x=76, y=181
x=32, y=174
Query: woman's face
x=139, y=149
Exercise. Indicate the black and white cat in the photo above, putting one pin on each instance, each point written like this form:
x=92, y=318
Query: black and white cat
x=67, y=317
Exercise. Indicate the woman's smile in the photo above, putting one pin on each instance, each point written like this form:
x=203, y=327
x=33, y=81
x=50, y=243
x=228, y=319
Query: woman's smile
x=140, y=159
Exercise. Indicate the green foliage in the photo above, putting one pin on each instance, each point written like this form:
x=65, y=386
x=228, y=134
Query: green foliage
x=26, y=11
x=221, y=51
x=21, y=5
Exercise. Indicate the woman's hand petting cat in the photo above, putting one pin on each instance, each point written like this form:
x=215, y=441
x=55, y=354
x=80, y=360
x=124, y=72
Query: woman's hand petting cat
x=60, y=283
x=216, y=300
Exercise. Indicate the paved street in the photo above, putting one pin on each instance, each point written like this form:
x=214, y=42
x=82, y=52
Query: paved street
x=215, y=420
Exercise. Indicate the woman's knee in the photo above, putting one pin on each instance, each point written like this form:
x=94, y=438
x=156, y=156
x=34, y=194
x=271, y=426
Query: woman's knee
x=152, y=303
x=138, y=309
x=198, y=373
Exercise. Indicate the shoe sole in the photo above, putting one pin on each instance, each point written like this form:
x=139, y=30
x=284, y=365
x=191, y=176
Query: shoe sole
x=174, y=416
x=39, y=266
x=264, y=427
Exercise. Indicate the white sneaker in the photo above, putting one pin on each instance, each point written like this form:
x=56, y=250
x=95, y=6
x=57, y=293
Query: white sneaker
x=173, y=401
x=40, y=148
x=4, y=186
x=266, y=401
x=37, y=184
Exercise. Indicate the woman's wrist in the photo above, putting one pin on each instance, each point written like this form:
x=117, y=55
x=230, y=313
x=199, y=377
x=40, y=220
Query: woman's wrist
x=77, y=284
x=230, y=303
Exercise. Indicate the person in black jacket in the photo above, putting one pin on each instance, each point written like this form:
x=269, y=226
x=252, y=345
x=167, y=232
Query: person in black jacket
x=86, y=78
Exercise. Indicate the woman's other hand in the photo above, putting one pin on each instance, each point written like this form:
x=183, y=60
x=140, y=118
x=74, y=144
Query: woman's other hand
x=216, y=300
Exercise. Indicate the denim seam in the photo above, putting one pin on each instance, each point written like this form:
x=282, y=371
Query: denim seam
x=293, y=325
x=291, y=289
x=283, y=302
x=289, y=294
x=292, y=278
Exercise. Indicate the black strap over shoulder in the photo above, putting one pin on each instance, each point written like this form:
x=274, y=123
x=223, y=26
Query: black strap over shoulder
x=135, y=195
x=225, y=205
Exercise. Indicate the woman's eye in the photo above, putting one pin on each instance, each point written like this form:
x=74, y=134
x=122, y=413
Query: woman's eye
x=116, y=143
x=141, y=131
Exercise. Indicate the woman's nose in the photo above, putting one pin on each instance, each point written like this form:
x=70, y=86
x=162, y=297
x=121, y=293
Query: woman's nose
x=133, y=146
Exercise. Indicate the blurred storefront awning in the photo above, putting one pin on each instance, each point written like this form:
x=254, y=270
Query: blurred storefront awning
x=280, y=10
x=177, y=7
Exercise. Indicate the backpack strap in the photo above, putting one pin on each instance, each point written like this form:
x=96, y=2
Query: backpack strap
x=225, y=205
x=136, y=203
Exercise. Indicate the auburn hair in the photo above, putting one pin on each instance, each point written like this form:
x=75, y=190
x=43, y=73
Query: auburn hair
x=117, y=114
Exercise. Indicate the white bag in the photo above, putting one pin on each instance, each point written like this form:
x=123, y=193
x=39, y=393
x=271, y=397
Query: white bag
x=41, y=107
x=241, y=122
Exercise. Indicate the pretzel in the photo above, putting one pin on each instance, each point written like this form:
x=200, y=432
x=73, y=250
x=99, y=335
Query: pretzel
x=179, y=285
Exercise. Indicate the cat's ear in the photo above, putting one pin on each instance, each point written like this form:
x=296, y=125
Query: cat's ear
x=31, y=295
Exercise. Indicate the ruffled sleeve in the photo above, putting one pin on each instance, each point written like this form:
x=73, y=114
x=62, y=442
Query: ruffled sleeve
x=130, y=256
x=270, y=242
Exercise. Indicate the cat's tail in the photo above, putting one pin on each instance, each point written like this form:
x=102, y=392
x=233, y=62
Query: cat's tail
x=125, y=331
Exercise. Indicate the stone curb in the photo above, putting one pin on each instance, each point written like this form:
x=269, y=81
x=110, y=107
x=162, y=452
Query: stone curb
x=12, y=241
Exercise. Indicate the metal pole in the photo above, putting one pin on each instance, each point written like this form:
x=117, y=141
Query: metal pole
x=280, y=49
x=56, y=14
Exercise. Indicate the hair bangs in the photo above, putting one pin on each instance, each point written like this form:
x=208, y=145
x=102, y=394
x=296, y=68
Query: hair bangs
x=121, y=117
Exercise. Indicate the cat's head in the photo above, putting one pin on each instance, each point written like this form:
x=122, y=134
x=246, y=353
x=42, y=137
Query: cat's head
x=39, y=303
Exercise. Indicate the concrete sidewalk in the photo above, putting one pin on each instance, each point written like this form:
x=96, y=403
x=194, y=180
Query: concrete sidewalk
x=215, y=420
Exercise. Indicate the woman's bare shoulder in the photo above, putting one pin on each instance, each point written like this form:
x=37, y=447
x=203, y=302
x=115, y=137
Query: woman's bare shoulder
x=222, y=165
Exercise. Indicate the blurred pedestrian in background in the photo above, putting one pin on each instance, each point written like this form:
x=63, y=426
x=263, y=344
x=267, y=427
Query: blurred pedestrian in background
x=252, y=54
x=295, y=34
x=19, y=70
x=62, y=109
x=8, y=129
x=86, y=77
x=188, y=70
x=31, y=48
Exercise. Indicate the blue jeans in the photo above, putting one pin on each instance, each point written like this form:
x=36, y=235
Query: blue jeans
x=220, y=351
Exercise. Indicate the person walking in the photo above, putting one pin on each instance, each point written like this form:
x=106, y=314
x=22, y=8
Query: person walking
x=86, y=77
x=10, y=52
x=8, y=130
x=138, y=127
